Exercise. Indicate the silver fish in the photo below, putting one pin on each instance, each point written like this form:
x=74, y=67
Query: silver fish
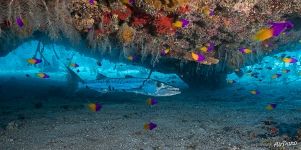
x=134, y=85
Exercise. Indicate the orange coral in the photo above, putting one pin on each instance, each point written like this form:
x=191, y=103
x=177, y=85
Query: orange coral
x=126, y=34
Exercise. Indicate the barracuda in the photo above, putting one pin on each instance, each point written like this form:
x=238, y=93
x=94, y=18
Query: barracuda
x=134, y=85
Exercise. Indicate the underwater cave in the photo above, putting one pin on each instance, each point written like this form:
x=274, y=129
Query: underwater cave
x=150, y=74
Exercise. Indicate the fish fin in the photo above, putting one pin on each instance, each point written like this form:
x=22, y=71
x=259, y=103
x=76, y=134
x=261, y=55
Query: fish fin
x=73, y=79
x=100, y=76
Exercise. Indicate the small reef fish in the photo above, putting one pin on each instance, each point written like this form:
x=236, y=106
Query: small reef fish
x=34, y=61
x=280, y=27
x=165, y=51
x=289, y=60
x=263, y=34
x=94, y=107
x=271, y=106
x=197, y=57
x=208, y=48
x=43, y=75
x=275, y=76
x=132, y=58
x=183, y=23
x=231, y=81
x=74, y=65
x=285, y=71
x=92, y=2
x=208, y=11
x=151, y=101
x=245, y=50
x=254, y=92
x=149, y=126
x=275, y=30
x=20, y=22
x=27, y=75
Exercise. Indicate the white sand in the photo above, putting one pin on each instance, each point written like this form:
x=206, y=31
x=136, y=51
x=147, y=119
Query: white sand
x=189, y=121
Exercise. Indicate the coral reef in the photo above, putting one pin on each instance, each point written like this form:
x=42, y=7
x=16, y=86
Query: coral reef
x=147, y=26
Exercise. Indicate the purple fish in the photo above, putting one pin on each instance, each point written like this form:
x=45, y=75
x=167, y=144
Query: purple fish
x=279, y=27
x=20, y=22
x=184, y=23
x=97, y=107
x=132, y=1
x=211, y=13
x=91, y=2
x=152, y=126
x=210, y=47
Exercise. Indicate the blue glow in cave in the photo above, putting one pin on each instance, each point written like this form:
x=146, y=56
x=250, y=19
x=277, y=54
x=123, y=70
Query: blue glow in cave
x=261, y=74
x=57, y=56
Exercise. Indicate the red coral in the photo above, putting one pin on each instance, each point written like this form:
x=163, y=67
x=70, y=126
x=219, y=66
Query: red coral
x=106, y=18
x=123, y=15
x=164, y=25
x=183, y=9
x=140, y=21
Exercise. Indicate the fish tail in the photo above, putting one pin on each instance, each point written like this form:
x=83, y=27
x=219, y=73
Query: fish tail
x=146, y=126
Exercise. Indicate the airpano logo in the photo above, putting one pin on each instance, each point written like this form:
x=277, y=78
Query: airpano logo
x=285, y=144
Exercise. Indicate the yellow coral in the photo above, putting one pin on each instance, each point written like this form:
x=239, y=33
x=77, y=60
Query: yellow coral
x=126, y=34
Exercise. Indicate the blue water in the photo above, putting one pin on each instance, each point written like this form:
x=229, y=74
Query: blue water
x=222, y=114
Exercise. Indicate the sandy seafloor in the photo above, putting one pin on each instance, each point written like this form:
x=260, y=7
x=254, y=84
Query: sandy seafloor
x=205, y=119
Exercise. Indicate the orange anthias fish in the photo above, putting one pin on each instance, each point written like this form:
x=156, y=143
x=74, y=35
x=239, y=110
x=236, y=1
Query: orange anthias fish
x=43, y=75
x=245, y=51
x=208, y=11
x=208, y=48
x=254, y=92
x=34, y=61
x=183, y=23
x=94, y=107
x=263, y=34
x=289, y=60
x=165, y=51
x=197, y=57
x=151, y=101
x=274, y=30
x=271, y=106
x=132, y=58
x=149, y=126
